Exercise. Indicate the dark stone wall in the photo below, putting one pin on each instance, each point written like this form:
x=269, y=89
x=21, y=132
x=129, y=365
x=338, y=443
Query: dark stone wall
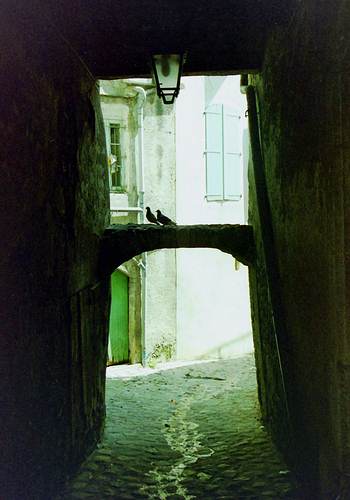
x=54, y=207
x=270, y=351
x=304, y=100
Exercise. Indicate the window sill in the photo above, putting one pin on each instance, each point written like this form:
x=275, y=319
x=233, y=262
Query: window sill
x=211, y=198
x=118, y=191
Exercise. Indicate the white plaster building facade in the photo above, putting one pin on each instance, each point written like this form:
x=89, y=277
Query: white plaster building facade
x=142, y=164
x=213, y=313
x=188, y=303
x=160, y=193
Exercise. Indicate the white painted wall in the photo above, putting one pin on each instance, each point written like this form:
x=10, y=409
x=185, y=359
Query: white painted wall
x=195, y=298
x=213, y=314
x=160, y=193
x=118, y=102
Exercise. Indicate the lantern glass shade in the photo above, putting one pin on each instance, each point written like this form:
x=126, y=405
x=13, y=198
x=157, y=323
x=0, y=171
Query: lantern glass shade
x=167, y=73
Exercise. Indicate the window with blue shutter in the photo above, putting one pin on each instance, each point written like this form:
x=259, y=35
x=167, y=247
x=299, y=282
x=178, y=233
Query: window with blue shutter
x=213, y=150
x=232, y=156
x=222, y=154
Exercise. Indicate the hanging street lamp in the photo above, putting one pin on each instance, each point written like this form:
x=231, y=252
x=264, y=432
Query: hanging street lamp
x=167, y=70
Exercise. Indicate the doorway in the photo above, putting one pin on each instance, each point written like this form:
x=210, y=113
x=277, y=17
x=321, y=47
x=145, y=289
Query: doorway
x=118, y=345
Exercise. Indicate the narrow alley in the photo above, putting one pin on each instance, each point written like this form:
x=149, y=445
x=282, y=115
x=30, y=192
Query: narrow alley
x=184, y=433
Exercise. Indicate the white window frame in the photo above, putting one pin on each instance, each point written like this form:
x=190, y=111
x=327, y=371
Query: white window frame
x=108, y=124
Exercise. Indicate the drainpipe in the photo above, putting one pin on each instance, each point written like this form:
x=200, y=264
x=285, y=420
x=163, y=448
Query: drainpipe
x=141, y=99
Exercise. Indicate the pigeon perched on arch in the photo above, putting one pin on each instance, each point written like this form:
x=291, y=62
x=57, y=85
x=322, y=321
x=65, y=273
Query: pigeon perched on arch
x=163, y=219
x=151, y=217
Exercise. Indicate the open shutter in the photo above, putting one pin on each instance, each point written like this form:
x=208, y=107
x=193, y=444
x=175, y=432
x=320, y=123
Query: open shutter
x=232, y=156
x=214, y=152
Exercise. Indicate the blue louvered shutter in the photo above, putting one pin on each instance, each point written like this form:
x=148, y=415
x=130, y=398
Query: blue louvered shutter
x=232, y=156
x=214, y=152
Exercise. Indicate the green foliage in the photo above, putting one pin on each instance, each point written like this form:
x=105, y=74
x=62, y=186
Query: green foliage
x=163, y=351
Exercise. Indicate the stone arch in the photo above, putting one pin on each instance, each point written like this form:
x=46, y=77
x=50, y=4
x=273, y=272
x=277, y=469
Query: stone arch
x=122, y=242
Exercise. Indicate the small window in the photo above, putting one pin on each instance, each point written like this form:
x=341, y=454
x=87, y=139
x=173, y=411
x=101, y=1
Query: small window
x=115, y=158
x=222, y=154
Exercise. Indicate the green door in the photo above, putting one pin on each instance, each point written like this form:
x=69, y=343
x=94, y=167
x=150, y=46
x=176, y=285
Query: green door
x=118, y=351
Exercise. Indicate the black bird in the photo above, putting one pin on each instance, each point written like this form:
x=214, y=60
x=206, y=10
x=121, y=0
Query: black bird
x=151, y=217
x=164, y=219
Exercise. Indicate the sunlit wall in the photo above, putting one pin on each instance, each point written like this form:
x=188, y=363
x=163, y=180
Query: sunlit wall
x=213, y=314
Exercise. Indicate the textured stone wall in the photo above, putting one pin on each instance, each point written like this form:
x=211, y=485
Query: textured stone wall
x=304, y=98
x=54, y=206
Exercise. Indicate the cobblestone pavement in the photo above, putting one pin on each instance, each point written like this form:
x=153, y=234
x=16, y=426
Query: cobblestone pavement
x=187, y=433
